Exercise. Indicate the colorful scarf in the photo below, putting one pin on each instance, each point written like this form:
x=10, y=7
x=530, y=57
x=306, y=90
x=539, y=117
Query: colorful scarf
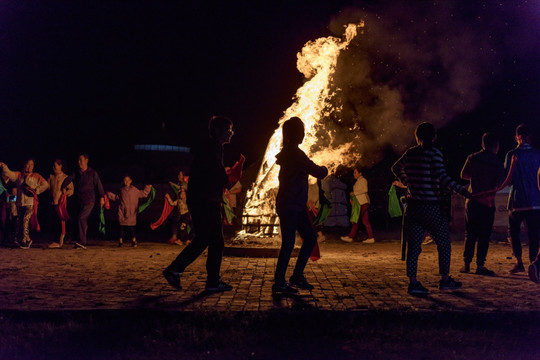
x=235, y=172
x=102, y=220
x=147, y=203
x=167, y=209
x=61, y=211
x=229, y=212
x=324, y=207
x=394, y=206
x=106, y=205
x=315, y=253
x=355, y=210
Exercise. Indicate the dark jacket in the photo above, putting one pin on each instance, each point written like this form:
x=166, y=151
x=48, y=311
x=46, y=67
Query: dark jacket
x=485, y=172
x=207, y=178
x=295, y=167
x=86, y=184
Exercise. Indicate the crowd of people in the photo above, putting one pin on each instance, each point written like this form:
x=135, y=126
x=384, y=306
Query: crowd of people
x=73, y=198
x=199, y=212
x=421, y=170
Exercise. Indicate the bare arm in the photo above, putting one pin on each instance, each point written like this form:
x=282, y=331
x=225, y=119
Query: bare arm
x=112, y=196
x=466, y=171
x=399, y=171
x=11, y=175
x=144, y=192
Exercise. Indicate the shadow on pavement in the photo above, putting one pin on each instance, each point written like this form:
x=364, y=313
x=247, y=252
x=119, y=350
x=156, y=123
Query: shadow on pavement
x=299, y=302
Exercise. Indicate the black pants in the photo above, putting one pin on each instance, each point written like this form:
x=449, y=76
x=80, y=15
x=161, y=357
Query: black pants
x=291, y=221
x=208, y=227
x=478, y=225
x=532, y=219
x=127, y=231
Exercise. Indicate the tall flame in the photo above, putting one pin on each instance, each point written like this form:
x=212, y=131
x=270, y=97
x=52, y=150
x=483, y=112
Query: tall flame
x=317, y=61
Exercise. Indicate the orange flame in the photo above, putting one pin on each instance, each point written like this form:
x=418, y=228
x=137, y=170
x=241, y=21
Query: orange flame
x=317, y=61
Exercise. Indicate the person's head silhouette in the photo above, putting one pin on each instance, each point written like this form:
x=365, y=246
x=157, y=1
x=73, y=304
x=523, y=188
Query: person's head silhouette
x=293, y=131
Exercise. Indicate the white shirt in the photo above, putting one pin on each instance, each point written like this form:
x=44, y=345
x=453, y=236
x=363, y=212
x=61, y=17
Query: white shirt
x=360, y=190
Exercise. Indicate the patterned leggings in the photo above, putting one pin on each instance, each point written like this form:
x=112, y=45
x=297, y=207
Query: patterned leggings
x=23, y=223
x=419, y=218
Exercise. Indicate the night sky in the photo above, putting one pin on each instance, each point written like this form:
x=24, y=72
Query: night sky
x=98, y=77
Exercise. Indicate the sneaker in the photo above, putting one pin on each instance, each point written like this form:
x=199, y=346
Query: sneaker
x=369, y=241
x=134, y=243
x=466, y=268
x=286, y=289
x=54, y=245
x=79, y=245
x=172, y=278
x=482, y=270
x=26, y=245
x=417, y=289
x=449, y=284
x=517, y=269
x=347, y=239
x=219, y=287
x=174, y=241
x=427, y=240
x=300, y=282
x=533, y=272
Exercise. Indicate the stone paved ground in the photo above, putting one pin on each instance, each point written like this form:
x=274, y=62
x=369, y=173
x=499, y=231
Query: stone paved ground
x=352, y=277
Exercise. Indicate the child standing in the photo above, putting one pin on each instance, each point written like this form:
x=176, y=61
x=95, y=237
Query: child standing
x=291, y=201
x=55, y=183
x=127, y=210
x=183, y=224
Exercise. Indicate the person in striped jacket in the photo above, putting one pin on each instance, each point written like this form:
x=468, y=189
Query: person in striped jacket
x=421, y=169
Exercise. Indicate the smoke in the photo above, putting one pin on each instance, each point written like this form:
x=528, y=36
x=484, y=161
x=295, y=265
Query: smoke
x=411, y=62
x=415, y=62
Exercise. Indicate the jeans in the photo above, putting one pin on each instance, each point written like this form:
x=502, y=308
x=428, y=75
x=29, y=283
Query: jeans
x=532, y=219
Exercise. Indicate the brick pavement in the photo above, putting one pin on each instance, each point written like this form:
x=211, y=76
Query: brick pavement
x=352, y=277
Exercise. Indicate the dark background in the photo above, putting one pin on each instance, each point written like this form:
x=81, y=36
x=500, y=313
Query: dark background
x=101, y=76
